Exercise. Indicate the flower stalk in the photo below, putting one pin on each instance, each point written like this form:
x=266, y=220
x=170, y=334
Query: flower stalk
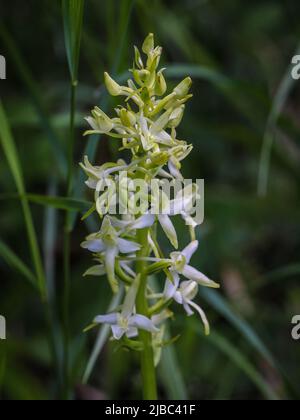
x=147, y=354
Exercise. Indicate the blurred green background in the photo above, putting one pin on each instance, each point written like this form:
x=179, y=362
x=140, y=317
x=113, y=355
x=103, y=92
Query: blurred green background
x=243, y=123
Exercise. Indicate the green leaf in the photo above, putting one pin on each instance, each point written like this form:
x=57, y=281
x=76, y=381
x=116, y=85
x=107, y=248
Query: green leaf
x=11, y=153
x=60, y=203
x=16, y=263
x=73, y=21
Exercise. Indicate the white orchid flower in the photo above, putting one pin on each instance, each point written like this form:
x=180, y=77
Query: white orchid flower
x=127, y=322
x=97, y=174
x=180, y=266
x=184, y=294
x=99, y=121
x=109, y=243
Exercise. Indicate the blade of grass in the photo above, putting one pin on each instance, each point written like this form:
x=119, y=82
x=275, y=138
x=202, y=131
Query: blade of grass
x=224, y=309
x=16, y=263
x=11, y=153
x=72, y=12
x=246, y=98
x=278, y=274
x=12, y=157
x=92, y=144
x=171, y=374
x=279, y=101
x=60, y=203
x=238, y=358
x=73, y=21
x=36, y=98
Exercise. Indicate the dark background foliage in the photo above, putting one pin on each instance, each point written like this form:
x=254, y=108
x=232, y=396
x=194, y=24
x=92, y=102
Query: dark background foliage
x=238, y=54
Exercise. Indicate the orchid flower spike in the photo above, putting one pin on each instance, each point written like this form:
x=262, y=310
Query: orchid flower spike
x=127, y=248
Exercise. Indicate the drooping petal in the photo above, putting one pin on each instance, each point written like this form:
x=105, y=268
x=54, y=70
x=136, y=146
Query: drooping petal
x=189, y=290
x=110, y=259
x=190, y=250
x=184, y=200
x=200, y=278
x=132, y=333
x=171, y=288
x=187, y=309
x=164, y=138
x=97, y=270
x=94, y=245
x=142, y=322
x=202, y=315
x=118, y=331
x=169, y=229
x=110, y=319
x=164, y=174
x=128, y=247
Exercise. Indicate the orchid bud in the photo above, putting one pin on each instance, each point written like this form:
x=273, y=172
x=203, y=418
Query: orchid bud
x=100, y=121
x=176, y=117
x=161, y=85
x=113, y=87
x=141, y=76
x=159, y=159
x=128, y=118
x=183, y=88
x=148, y=44
x=138, y=58
x=154, y=59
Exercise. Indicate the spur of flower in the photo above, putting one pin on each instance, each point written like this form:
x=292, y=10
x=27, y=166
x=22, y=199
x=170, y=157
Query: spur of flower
x=128, y=248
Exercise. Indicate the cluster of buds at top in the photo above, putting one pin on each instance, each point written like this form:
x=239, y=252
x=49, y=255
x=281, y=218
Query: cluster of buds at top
x=146, y=126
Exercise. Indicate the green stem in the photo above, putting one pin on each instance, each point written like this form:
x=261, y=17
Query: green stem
x=147, y=355
x=67, y=240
